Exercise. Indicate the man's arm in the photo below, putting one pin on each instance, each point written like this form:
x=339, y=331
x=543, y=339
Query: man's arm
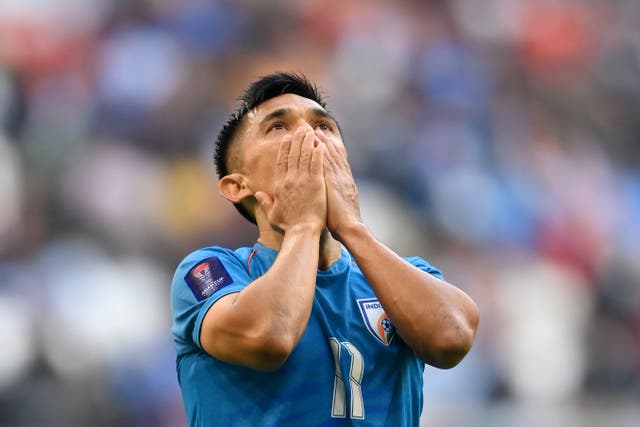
x=433, y=317
x=261, y=325
x=436, y=319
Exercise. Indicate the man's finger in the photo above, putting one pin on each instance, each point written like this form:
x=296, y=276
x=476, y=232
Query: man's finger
x=336, y=148
x=332, y=157
x=332, y=151
x=306, y=150
x=317, y=159
x=329, y=161
x=294, y=152
x=264, y=201
x=283, y=155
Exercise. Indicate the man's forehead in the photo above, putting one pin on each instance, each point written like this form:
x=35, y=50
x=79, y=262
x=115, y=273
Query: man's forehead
x=285, y=101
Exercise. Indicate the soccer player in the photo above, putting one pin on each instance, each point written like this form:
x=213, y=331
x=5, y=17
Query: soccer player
x=317, y=324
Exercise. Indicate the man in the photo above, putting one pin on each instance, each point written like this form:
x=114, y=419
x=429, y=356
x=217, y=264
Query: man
x=317, y=324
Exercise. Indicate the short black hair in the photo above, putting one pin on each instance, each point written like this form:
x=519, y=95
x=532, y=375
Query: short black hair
x=261, y=90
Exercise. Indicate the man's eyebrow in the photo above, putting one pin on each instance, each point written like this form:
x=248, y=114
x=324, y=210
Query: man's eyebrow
x=319, y=112
x=280, y=112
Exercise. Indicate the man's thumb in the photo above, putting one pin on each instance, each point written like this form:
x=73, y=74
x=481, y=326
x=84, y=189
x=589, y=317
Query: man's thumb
x=263, y=199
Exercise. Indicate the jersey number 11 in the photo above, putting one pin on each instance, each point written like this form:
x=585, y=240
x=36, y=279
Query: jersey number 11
x=356, y=372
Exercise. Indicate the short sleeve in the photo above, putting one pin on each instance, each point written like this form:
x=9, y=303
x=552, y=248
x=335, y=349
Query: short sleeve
x=201, y=279
x=425, y=266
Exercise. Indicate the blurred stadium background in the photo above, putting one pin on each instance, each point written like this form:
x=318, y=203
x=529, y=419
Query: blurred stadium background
x=499, y=139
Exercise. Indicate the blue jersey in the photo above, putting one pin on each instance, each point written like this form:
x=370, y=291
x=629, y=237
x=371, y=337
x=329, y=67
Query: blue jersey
x=350, y=368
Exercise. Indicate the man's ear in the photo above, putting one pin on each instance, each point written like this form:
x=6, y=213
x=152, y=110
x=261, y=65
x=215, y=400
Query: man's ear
x=234, y=187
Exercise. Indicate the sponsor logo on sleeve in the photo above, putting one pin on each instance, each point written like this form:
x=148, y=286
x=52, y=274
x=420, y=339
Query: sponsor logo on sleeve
x=207, y=277
x=376, y=320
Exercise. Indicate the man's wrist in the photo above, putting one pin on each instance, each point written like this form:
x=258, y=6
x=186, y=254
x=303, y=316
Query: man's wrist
x=308, y=229
x=349, y=231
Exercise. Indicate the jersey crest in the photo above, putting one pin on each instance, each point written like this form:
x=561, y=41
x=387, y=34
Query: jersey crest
x=376, y=320
x=207, y=277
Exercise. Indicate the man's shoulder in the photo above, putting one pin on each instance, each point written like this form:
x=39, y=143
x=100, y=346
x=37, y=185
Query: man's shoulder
x=216, y=251
x=226, y=257
x=210, y=268
x=424, y=265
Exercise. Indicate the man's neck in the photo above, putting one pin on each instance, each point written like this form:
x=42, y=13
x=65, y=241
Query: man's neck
x=330, y=248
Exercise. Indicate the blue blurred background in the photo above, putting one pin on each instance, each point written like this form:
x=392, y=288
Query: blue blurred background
x=499, y=139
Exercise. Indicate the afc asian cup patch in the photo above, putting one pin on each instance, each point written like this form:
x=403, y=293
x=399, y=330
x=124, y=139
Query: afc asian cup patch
x=207, y=277
x=376, y=320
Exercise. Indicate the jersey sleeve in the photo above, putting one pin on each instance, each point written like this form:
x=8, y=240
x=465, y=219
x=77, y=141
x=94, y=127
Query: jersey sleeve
x=201, y=279
x=425, y=266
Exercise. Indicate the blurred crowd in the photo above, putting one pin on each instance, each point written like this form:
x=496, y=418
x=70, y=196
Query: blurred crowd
x=498, y=139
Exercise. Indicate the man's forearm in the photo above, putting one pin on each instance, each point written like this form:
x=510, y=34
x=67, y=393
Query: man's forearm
x=433, y=317
x=262, y=324
x=282, y=298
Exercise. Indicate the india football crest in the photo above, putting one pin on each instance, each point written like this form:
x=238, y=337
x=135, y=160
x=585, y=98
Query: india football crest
x=376, y=320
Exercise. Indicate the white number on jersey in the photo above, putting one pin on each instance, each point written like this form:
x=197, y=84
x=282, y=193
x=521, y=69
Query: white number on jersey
x=356, y=372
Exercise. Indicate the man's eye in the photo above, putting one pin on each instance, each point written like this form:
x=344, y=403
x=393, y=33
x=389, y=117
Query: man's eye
x=323, y=126
x=276, y=126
